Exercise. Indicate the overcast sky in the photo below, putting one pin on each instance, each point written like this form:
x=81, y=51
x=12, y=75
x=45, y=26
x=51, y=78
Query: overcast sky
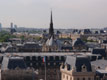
x=66, y=13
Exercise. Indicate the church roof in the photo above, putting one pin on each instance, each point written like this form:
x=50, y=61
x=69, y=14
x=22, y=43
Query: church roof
x=50, y=42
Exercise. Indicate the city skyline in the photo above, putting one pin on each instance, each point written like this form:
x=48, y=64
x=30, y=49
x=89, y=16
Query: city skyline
x=66, y=14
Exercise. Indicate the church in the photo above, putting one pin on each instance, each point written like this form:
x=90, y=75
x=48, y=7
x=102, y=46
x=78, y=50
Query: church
x=50, y=45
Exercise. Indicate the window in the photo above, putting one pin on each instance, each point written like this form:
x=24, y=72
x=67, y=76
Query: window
x=83, y=78
x=78, y=79
x=70, y=78
x=63, y=76
x=89, y=78
x=97, y=78
x=67, y=77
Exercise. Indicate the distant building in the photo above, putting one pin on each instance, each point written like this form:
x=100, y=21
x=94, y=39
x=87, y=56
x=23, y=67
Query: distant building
x=15, y=40
x=29, y=47
x=78, y=44
x=64, y=44
x=87, y=31
x=0, y=26
x=15, y=26
x=12, y=29
x=11, y=25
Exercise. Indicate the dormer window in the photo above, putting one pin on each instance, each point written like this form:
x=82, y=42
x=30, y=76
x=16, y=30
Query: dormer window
x=84, y=69
x=98, y=67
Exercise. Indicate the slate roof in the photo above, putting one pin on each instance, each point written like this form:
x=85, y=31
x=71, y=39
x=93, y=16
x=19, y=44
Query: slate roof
x=102, y=71
x=13, y=62
x=65, y=39
x=78, y=62
x=87, y=31
x=92, y=44
x=77, y=42
x=67, y=47
x=105, y=41
x=100, y=63
x=31, y=45
x=99, y=51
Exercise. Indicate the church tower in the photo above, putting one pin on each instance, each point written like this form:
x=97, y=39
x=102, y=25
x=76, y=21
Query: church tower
x=50, y=45
x=51, y=30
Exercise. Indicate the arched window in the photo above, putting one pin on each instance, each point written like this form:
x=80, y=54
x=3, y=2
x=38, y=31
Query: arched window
x=89, y=78
x=63, y=76
x=70, y=78
x=83, y=78
x=67, y=77
x=78, y=79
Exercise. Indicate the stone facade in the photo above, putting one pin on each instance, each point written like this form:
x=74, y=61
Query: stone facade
x=73, y=75
x=77, y=68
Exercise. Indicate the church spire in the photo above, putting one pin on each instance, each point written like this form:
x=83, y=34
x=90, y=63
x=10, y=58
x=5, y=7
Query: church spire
x=51, y=30
x=51, y=18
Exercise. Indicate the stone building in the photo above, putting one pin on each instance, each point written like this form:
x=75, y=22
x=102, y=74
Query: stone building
x=50, y=68
x=50, y=45
x=14, y=68
x=77, y=68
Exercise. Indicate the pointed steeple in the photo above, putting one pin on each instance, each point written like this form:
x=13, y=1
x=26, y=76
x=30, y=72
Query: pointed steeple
x=51, y=30
x=51, y=18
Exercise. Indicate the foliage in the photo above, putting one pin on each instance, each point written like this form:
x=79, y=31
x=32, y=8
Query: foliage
x=22, y=37
x=5, y=36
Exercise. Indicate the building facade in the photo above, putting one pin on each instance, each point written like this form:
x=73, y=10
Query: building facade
x=77, y=68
